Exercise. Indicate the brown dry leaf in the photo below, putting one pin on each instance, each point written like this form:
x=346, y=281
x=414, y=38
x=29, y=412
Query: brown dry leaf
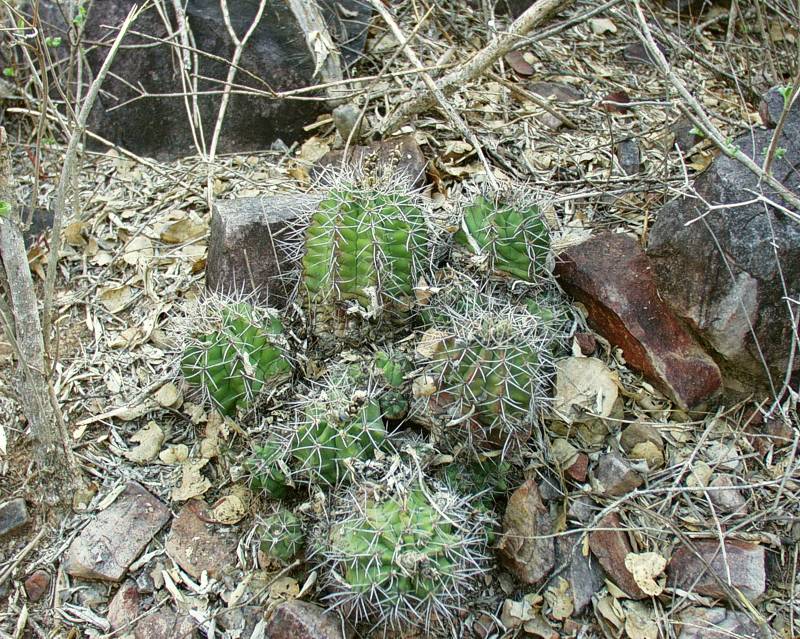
x=585, y=388
x=559, y=599
x=639, y=622
x=73, y=234
x=313, y=149
x=700, y=475
x=701, y=161
x=564, y=453
x=174, y=454
x=169, y=396
x=284, y=589
x=645, y=567
x=150, y=439
x=430, y=342
x=610, y=609
x=193, y=484
x=599, y=26
x=539, y=627
x=650, y=453
x=184, y=230
x=116, y=298
x=139, y=251
x=232, y=508
x=516, y=60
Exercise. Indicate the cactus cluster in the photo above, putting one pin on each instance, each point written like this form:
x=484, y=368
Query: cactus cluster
x=235, y=352
x=404, y=558
x=513, y=238
x=268, y=470
x=365, y=249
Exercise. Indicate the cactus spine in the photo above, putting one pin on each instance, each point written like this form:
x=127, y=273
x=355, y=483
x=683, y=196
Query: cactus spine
x=282, y=536
x=233, y=351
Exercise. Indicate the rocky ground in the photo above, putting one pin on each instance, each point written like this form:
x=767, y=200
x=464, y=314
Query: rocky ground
x=651, y=503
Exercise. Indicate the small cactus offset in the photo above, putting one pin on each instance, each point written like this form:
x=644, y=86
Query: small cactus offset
x=490, y=361
x=234, y=352
x=404, y=559
x=282, y=536
x=393, y=366
x=514, y=239
x=365, y=248
x=268, y=471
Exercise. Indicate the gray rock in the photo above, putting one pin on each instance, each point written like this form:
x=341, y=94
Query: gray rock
x=345, y=119
x=726, y=273
x=716, y=623
x=583, y=573
x=276, y=58
x=629, y=156
x=303, y=620
x=253, y=246
x=728, y=499
x=615, y=476
x=165, y=624
x=117, y=536
x=526, y=549
x=13, y=516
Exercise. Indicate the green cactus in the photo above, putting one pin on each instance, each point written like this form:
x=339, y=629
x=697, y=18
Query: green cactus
x=266, y=469
x=239, y=355
x=488, y=476
x=491, y=361
x=393, y=367
x=327, y=442
x=364, y=252
x=282, y=536
x=408, y=558
x=514, y=239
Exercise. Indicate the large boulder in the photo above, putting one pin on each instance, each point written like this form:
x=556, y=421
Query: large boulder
x=730, y=271
x=276, y=58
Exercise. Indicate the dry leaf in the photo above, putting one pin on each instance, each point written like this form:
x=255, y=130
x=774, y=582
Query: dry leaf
x=193, y=484
x=313, y=149
x=559, y=598
x=174, y=454
x=284, y=588
x=611, y=610
x=150, y=439
x=645, y=567
x=639, y=622
x=539, y=627
x=169, y=396
x=599, y=26
x=564, y=453
x=229, y=509
x=650, y=453
x=73, y=234
x=138, y=251
x=116, y=298
x=700, y=475
x=184, y=230
x=585, y=388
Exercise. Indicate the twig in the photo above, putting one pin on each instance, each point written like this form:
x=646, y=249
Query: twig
x=66, y=173
x=474, y=67
x=22, y=554
x=699, y=116
x=451, y=113
x=787, y=106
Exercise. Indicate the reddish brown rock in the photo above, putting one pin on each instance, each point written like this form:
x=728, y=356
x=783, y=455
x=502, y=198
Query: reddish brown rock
x=579, y=468
x=609, y=543
x=165, y=624
x=197, y=546
x=37, y=585
x=403, y=153
x=610, y=275
x=110, y=543
x=615, y=476
x=124, y=607
x=745, y=565
x=525, y=547
x=716, y=623
x=302, y=620
x=586, y=342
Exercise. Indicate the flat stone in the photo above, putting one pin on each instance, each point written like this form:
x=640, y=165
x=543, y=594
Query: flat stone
x=303, y=620
x=166, y=624
x=716, y=623
x=197, y=546
x=629, y=157
x=582, y=509
x=117, y=536
x=525, y=548
x=587, y=343
x=683, y=134
x=583, y=574
x=615, y=476
x=729, y=276
x=124, y=606
x=745, y=564
x=610, y=275
x=637, y=53
x=13, y=516
x=36, y=585
x=560, y=91
x=579, y=469
x=401, y=154
x=240, y=621
x=254, y=246
x=642, y=441
x=611, y=546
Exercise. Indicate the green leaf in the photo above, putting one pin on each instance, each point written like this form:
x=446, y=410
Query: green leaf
x=786, y=92
x=52, y=42
x=9, y=72
x=5, y=208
